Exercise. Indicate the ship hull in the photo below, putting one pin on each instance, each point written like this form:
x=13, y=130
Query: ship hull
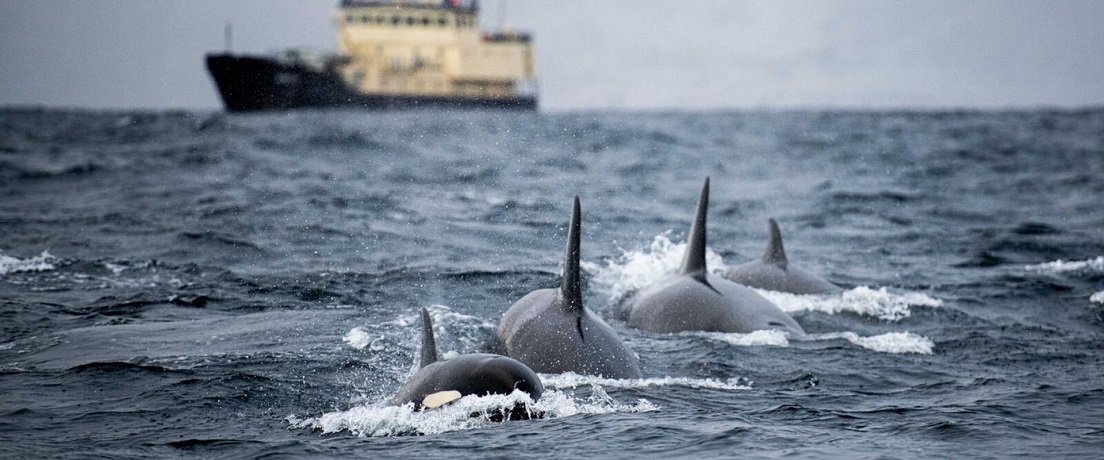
x=251, y=84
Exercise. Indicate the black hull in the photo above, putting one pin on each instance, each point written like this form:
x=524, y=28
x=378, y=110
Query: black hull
x=250, y=84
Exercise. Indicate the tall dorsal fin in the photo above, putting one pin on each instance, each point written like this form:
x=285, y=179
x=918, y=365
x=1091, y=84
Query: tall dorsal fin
x=571, y=288
x=429, y=346
x=776, y=254
x=693, y=263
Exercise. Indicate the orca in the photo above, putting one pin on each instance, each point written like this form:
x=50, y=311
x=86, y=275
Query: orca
x=694, y=300
x=774, y=272
x=439, y=382
x=551, y=330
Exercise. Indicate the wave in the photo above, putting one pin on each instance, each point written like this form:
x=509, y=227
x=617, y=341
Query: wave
x=1061, y=266
x=862, y=300
x=773, y=338
x=1098, y=297
x=469, y=412
x=40, y=263
x=892, y=342
x=572, y=380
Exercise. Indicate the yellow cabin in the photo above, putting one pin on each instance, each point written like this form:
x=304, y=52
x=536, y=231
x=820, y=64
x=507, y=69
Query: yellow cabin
x=431, y=48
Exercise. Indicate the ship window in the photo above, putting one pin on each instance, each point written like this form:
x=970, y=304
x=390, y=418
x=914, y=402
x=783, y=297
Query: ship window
x=395, y=20
x=410, y=20
x=365, y=19
x=380, y=19
x=425, y=21
x=442, y=22
x=349, y=18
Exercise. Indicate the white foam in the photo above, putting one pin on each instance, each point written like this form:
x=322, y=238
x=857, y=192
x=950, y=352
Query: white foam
x=879, y=303
x=115, y=268
x=572, y=380
x=637, y=269
x=377, y=420
x=1098, y=297
x=773, y=337
x=40, y=263
x=357, y=338
x=1061, y=266
x=892, y=342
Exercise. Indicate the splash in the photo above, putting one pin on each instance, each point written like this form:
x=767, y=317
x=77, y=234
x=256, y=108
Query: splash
x=892, y=342
x=1098, y=297
x=637, y=269
x=469, y=412
x=1061, y=266
x=879, y=303
x=463, y=332
x=572, y=380
x=357, y=338
x=40, y=263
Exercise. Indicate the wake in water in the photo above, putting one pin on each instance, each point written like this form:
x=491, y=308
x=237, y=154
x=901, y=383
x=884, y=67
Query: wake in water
x=560, y=399
x=637, y=269
x=862, y=300
x=572, y=380
x=466, y=413
x=891, y=342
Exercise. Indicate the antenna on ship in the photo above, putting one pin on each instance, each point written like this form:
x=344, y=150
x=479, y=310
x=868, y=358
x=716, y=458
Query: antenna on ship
x=228, y=37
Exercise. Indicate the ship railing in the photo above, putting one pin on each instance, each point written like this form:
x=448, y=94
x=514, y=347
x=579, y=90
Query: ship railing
x=470, y=6
x=507, y=36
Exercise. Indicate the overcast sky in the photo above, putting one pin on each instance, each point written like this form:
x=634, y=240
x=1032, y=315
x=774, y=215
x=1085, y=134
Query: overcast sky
x=594, y=54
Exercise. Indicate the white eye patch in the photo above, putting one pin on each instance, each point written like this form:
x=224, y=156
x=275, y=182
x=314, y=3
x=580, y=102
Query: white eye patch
x=440, y=398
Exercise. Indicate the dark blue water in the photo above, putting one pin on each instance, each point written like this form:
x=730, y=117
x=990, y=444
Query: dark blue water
x=179, y=284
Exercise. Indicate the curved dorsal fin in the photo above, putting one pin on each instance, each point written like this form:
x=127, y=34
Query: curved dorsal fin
x=429, y=346
x=694, y=260
x=776, y=254
x=571, y=288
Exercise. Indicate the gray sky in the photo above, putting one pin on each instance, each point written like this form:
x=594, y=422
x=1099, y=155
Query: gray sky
x=592, y=54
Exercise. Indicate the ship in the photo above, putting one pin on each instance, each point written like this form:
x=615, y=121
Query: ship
x=391, y=55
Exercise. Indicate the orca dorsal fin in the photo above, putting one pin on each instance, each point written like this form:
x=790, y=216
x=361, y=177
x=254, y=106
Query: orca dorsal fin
x=693, y=263
x=429, y=345
x=571, y=287
x=775, y=254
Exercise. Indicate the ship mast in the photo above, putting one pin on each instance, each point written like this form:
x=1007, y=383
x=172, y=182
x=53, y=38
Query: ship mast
x=228, y=37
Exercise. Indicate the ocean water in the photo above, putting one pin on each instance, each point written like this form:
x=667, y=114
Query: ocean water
x=213, y=285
